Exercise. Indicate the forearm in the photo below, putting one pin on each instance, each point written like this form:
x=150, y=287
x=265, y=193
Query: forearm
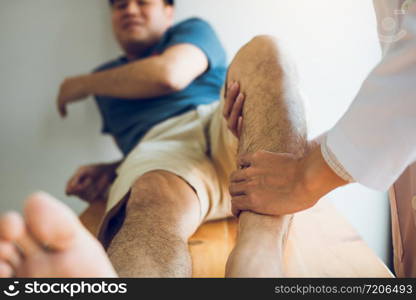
x=374, y=140
x=319, y=178
x=142, y=79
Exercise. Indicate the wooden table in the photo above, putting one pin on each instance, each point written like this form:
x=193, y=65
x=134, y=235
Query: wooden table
x=321, y=244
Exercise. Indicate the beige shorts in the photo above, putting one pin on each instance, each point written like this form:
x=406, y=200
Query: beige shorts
x=196, y=146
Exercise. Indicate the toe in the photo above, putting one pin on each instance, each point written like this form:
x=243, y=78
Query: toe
x=11, y=226
x=13, y=229
x=9, y=253
x=51, y=223
x=6, y=271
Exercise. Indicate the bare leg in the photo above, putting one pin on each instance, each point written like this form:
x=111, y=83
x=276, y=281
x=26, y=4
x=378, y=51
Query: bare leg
x=52, y=243
x=161, y=215
x=273, y=121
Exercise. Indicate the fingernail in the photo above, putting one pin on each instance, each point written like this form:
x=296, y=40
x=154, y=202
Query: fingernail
x=235, y=85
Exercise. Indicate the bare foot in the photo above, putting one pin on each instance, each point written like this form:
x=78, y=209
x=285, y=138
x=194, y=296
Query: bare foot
x=49, y=242
x=259, y=249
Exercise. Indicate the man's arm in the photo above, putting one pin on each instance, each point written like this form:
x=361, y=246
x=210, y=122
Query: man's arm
x=92, y=182
x=159, y=75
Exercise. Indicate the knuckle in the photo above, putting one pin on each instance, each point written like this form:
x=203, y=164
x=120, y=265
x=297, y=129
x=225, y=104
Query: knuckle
x=261, y=154
x=252, y=185
x=249, y=173
x=232, y=176
x=254, y=201
x=256, y=155
x=249, y=198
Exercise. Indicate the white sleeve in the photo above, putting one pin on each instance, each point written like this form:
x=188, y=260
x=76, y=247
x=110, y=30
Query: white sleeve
x=376, y=138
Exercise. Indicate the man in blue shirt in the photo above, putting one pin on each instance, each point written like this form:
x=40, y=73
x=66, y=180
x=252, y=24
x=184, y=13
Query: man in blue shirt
x=129, y=120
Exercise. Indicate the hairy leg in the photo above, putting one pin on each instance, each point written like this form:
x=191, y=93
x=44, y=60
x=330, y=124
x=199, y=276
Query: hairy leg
x=273, y=121
x=162, y=213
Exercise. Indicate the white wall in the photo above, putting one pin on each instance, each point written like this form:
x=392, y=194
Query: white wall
x=334, y=43
x=42, y=42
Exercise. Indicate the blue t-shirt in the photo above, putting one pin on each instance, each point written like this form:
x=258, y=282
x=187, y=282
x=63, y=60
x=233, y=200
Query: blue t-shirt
x=129, y=120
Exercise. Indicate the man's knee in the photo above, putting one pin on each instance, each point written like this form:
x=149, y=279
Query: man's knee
x=162, y=194
x=260, y=47
x=260, y=56
x=263, y=43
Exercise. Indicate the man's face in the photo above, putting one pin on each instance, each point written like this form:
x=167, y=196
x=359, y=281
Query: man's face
x=140, y=22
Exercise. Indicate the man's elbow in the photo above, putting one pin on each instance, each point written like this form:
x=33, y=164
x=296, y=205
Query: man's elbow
x=172, y=81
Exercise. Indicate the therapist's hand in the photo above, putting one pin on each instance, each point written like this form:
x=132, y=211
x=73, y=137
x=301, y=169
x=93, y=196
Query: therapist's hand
x=279, y=184
x=71, y=90
x=233, y=108
x=269, y=183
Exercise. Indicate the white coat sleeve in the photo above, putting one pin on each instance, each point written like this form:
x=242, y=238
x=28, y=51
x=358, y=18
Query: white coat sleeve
x=376, y=138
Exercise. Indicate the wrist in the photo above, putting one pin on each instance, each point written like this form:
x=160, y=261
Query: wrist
x=319, y=179
x=84, y=82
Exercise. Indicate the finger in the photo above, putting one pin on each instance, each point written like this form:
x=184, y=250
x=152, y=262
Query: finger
x=9, y=253
x=63, y=111
x=236, y=112
x=98, y=195
x=100, y=187
x=239, y=176
x=238, y=188
x=6, y=271
x=91, y=191
x=245, y=160
x=62, y=108
x=88, y=194
x=239, y=204
x=83, y=196
x=229, y=85
x=70, y=187
x=232, y=95
x=77, y=182
x=103, y=181
x=235, y=211
x=80, y=187
x=240, y=126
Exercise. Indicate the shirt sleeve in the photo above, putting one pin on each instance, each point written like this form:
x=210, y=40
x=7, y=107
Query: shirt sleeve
x=375, y=140
x=334, y=163
x=199, y=33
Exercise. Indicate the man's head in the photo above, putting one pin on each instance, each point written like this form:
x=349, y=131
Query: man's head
x=139, y=24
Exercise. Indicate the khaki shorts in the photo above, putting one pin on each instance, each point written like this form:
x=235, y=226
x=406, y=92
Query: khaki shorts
x=196, y=146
